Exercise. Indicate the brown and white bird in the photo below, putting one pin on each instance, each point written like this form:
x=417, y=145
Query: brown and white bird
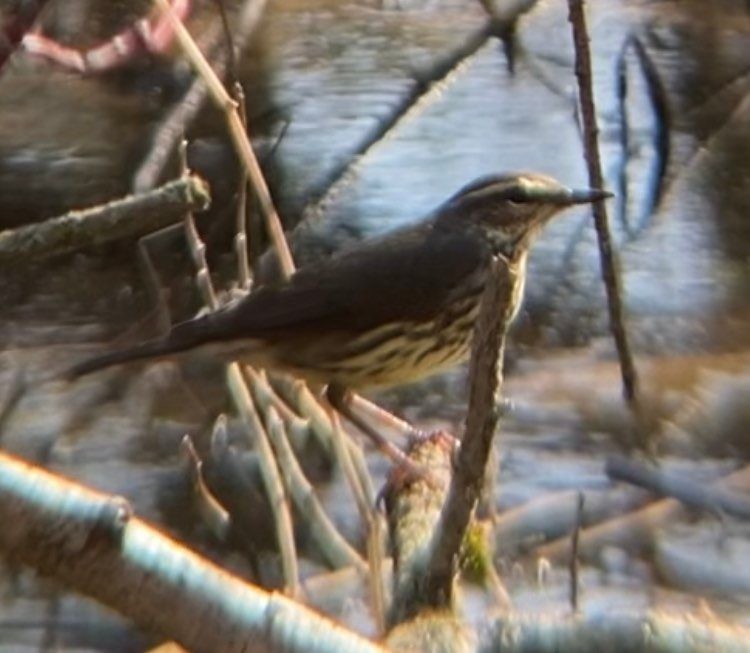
x=388, y=311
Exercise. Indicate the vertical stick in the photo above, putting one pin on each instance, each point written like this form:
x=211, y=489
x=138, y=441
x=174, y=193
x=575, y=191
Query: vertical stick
x=485, y=387
x=575, y=563
x=591, y=152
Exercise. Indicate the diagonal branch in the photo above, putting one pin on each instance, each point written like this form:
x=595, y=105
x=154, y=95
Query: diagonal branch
x=92, y=543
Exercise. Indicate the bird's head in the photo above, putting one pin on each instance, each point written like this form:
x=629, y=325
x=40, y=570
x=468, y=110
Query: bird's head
x=511, y=209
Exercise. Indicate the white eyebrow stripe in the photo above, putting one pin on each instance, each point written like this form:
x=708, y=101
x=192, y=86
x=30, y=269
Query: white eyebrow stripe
x=494, y=188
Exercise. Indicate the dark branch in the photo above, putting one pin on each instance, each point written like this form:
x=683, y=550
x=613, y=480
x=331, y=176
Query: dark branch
x=591, y=151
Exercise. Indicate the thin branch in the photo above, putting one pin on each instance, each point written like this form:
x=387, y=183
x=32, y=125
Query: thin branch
x=241, y=244
x=196, y=245
x=331, y=543
x=363, y=405
x=271, y=475
x=176, y=123
x=304, y=402
x=239, y=135
x=370, y=515
x=213, y=514
x=596, y=180
x=266, y=397
x=243, y=401
x=575, y=563
x=364, y=501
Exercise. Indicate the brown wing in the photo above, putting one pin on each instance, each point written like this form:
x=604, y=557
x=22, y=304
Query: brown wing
x=402, y=276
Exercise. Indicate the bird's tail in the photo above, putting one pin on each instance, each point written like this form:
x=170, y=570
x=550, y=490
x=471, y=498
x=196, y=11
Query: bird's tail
x=182, y=337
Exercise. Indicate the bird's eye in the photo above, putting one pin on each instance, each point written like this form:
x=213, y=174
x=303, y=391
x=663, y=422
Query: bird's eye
x=515, y=196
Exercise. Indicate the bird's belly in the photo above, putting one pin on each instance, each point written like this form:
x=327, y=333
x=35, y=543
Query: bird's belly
x=391, y=354
x=401, y=361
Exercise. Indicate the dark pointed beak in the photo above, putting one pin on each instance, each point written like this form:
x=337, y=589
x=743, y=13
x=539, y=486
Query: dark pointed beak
x=587, y=195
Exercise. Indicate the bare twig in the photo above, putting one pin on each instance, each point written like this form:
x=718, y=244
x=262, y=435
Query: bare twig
x=331, y=543
x=131, y=216
x=244, y=403
x=271, y=476
x=241, y=244
x=299, y=395
x=372, y=519
x=213, y=514
x=402, y=427
x=176, y=123
x=196, y=246
x=266, y=397
x=596, y=180
x=363, y=501
x=575, y=563
x=239, y=135
x=376, y=558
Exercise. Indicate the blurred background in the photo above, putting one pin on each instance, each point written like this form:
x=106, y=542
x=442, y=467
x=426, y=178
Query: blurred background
x=365, y=116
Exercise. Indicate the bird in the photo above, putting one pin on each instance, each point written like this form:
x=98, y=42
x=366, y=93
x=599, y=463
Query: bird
x=388, y=311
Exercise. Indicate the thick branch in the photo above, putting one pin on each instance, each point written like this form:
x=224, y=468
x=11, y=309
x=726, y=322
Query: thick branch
x=128, y=217
x=414, y=506
x=90, y=542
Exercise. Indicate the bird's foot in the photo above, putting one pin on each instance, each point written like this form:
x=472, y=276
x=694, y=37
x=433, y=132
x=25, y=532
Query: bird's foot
x=343, y=400
x=426, y=456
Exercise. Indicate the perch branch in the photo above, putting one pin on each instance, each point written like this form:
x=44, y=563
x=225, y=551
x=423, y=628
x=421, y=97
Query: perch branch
x=481, y=422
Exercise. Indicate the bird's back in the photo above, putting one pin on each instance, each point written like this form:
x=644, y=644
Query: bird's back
x=377, y=314
x=405, y=276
